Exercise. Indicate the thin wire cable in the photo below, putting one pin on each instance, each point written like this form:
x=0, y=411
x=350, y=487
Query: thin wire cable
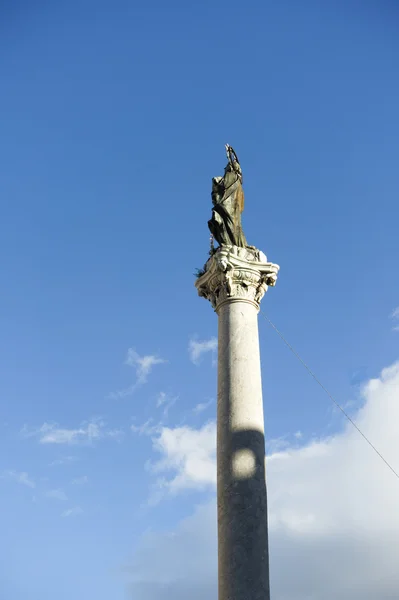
x=329, y=395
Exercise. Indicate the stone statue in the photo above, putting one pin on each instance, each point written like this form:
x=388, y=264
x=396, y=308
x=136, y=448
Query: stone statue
x=228, y=204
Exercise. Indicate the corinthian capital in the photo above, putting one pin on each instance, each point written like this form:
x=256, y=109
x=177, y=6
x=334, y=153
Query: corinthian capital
x=236, y=274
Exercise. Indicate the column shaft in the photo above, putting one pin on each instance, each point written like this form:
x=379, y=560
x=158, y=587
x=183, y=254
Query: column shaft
x=241, y=484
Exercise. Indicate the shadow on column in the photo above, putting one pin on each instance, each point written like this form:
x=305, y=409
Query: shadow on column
x=242, y=515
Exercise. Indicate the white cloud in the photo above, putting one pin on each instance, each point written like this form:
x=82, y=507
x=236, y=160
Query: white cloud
x=188, y=455
x=87, y=433
x=19, y=477
x=333, y=516
x=72, y=512
x=80, y=480
x=143, y=365
x=199, y=408
x=197, y=348
x=57, y=494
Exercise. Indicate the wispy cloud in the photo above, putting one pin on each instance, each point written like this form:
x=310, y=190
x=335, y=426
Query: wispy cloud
x=19, y=477
x=161, y=399
x=115, y=434
x=395, y=317
x=53, y=434
x=166, y=401
x=199, y=408
x=57, y=494
x=72, y=512
x=196, y=349
x=80, y=480
x=143, y=366
x=87, y=433
x=146, y=428
x=64, y=460
x=278, y=444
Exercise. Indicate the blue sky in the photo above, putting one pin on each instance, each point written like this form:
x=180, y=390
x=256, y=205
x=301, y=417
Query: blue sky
x=115, y=115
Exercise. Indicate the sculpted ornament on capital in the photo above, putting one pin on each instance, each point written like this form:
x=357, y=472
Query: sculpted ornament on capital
x=236, y=273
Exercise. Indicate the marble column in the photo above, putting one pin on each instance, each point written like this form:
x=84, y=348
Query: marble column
x=235, y=280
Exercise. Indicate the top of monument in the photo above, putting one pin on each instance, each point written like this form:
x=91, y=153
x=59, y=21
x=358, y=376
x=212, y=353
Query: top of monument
x=228, y=204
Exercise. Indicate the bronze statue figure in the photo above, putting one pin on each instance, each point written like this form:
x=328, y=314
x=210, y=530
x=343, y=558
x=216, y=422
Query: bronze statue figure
x=228, y=204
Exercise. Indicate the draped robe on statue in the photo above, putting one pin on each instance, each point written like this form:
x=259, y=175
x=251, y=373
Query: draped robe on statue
x=228, y=204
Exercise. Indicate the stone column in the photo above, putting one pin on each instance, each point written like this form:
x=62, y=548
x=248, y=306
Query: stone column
x=235, y=280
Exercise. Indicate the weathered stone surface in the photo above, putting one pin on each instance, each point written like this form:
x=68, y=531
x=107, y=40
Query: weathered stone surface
x=241, y=484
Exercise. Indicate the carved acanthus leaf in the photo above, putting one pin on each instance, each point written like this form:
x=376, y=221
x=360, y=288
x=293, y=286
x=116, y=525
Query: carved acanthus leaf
x=236, y=273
